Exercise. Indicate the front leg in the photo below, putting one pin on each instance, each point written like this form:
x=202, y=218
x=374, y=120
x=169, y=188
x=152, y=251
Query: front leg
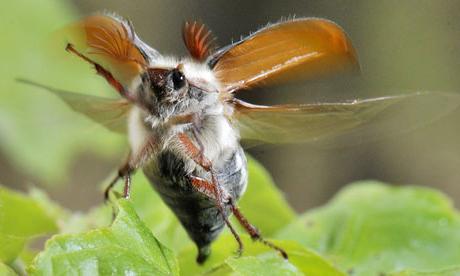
x=133, y=162
x=102, y=72
x=124, y=172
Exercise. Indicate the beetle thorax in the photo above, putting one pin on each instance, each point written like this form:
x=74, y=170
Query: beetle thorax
x=171, y=87
x=163, y=98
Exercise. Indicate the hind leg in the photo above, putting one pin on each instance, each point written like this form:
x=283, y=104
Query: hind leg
x=208, y=188
x=213, y=190
x=252, y=230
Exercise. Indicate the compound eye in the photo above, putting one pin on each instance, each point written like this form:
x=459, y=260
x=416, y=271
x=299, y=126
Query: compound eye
x=178, y=79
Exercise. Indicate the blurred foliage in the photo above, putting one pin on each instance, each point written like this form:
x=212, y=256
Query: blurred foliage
x=260, y=262
x=454, y=271
x=368, y=229
x=21, y=218
x=127, y=246
x=260, y=195
x=6, y=271
x=38, y=133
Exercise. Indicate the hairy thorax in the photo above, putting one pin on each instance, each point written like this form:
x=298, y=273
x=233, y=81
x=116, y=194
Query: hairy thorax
x=211, y=130
x=154, y=128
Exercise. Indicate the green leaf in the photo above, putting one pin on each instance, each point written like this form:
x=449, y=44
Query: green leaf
x=26, y=111
x=21, y=218
x=6, y=270
x=370, y=228
x=53, y=209
x=126, y=247
x=269, y=264
x=263, y=204
x=301, y=262
x=156, y=215
x=258, y=259
x=453, y=271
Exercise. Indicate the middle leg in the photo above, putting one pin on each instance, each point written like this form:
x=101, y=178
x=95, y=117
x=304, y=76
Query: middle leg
x=212, y=189
x=209, y=188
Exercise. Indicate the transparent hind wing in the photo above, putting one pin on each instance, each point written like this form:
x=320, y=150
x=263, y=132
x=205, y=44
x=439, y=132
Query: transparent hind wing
x=357, y=120
x=110, y=113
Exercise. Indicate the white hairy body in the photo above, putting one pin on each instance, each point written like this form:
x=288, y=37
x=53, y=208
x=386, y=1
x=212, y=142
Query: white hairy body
x=214, y=131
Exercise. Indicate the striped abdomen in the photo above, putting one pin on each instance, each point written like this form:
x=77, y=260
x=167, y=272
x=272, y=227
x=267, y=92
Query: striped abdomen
x=197, y=212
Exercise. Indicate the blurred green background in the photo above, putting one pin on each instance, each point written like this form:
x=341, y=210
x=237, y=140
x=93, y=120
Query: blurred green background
x=403, y=46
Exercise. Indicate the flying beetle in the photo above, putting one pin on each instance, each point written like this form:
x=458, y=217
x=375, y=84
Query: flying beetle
x=183, y=120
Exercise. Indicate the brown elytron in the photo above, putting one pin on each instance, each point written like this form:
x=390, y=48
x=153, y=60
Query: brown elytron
x=294, y=49
x=185, y=124
x=198, y=40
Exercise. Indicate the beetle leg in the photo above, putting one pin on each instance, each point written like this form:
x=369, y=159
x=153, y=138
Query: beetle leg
x=100, y=71
x=252, y=230
x=212, y=188
x=125, y=173
x=130, y=165
x=208, y=189
x=203, y=186
x=195, y=153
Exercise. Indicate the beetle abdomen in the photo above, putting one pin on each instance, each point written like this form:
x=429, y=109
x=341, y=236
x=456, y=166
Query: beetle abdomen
x=197, y=213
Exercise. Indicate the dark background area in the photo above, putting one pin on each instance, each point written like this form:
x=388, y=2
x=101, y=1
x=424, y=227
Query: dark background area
x=403, y=46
